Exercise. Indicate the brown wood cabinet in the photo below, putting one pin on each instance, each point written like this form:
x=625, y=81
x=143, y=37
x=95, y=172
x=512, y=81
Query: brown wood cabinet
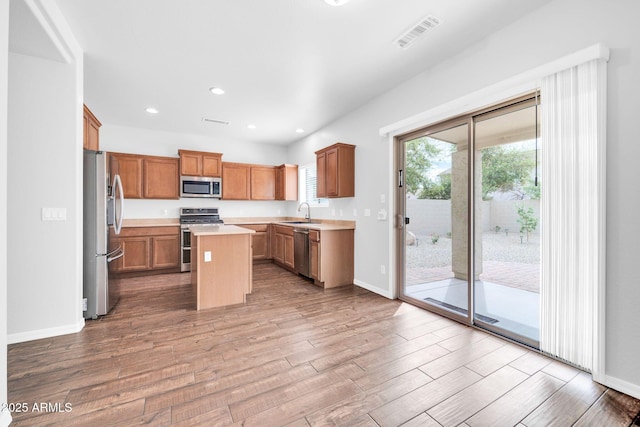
x=200, y=163
x=91, y=130
x=263, y=182
x=283, y=245
x=331, y=257
x=260, y=241
x=148, y=177
x=160, y=178
x=336, y=171
x=287, y=182
x=130, y=170
x=314, y=254
x=243, y=181
x=236, y=181
x=146, y=249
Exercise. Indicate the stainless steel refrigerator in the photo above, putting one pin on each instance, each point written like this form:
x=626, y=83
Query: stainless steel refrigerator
x=103, y=207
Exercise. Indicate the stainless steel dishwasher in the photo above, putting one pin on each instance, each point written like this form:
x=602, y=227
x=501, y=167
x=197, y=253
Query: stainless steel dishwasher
x=301, y=251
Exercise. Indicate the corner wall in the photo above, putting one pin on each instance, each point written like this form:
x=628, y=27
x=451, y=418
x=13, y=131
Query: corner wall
x=524, y=45
x=44, y=266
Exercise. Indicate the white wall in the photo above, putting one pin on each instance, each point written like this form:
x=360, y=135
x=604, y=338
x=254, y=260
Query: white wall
x=5, y=417
x=555, y=30
x=152, y=142
x=44, y=285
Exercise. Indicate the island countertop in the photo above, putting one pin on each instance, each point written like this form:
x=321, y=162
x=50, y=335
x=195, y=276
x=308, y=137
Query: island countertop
x=218, y=230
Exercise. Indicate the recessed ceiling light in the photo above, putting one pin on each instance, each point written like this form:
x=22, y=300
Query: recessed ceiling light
x=251, y=126
x=336, y=2
x=151, y=110
x=216, y=90
x=299, y=130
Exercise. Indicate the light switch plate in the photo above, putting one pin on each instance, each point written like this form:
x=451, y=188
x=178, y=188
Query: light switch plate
x=207, y=256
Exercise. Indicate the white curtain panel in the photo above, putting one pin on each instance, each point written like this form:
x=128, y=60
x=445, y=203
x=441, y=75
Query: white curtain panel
x=573, y=142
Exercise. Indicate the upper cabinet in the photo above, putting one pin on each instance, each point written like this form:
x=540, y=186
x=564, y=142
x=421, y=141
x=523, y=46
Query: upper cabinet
x=91, y=130
x=148, y=177
x=243, y=181
x=200, y=163
x=263, y=182
x=236, y=181
x=336, y=171
x=160, y=178
x=287, y=182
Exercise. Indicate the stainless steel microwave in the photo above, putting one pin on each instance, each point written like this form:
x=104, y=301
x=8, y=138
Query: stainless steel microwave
x=200, y=186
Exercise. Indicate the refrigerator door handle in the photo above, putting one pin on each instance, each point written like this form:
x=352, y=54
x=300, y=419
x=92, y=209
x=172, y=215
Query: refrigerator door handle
x=114, y=255
x=119, y=214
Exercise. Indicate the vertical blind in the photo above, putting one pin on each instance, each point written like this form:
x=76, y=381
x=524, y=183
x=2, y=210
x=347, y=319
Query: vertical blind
x=573, y=120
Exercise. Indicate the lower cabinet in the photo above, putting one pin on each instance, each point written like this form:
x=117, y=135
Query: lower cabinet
x=314, y=254
x=283, y=245
x=260, y=241
x=331, y=257
x=146, y=249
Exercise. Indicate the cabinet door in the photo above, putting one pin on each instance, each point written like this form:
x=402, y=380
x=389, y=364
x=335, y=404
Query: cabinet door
x=263, y=183
x=321, y=175
x=287, y=182
x=331, y=172
x=136, y=255
x=166, y=252
x=211, y=165
x=314, y=260
x=236, y=180
x=130, y=169
x=288, y=251
x=279, y=247
x=91, y=130
x=280, y=183
x=161, y=178
x=190, y=164
x=259, y=244
x=259, y=240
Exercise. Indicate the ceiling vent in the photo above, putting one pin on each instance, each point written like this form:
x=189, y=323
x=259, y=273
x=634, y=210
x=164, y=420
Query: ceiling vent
x=218, y=122
x=426, y=24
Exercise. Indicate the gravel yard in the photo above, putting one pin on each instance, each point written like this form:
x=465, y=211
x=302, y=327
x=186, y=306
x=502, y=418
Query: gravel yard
x=495, y=247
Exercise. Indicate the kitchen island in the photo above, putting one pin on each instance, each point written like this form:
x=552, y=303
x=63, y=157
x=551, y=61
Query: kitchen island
x=221, y=265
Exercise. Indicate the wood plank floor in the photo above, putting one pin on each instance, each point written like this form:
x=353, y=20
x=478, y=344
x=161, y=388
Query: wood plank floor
x=294, y=355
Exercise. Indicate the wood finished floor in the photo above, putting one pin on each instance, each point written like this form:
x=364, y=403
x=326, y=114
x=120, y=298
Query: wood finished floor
x=295, y=355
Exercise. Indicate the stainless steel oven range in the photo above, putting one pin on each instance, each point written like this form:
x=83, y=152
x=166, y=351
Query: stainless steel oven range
x=193, y=216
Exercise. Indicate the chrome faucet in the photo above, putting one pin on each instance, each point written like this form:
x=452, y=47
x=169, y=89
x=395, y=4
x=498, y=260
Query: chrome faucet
x=308, y=215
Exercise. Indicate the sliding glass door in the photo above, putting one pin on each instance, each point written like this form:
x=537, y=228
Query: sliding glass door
x=435, y=202
x=482, y=207
x=507, y=268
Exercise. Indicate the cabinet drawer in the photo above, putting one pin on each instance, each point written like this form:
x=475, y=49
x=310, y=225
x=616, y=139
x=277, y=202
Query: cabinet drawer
x=314, y=235
x=288, y=231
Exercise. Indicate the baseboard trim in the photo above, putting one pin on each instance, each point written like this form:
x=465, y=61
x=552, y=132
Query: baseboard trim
x=45, y=333
x=5, y=418
x=622, y=386
x=374, y=289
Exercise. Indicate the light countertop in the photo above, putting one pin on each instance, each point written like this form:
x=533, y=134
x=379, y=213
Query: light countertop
x=218, y=230
x=151, y=222
x=320, y=224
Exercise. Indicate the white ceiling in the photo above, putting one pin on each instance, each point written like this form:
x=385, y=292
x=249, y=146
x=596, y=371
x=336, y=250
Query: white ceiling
x=284, y=64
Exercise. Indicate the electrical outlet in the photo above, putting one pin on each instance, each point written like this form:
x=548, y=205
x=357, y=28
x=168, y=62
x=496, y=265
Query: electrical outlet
x=207, y=256
x=367, y=212
x=383, y=269
x=84, y=304
x=382, y=198
x=355, y=212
